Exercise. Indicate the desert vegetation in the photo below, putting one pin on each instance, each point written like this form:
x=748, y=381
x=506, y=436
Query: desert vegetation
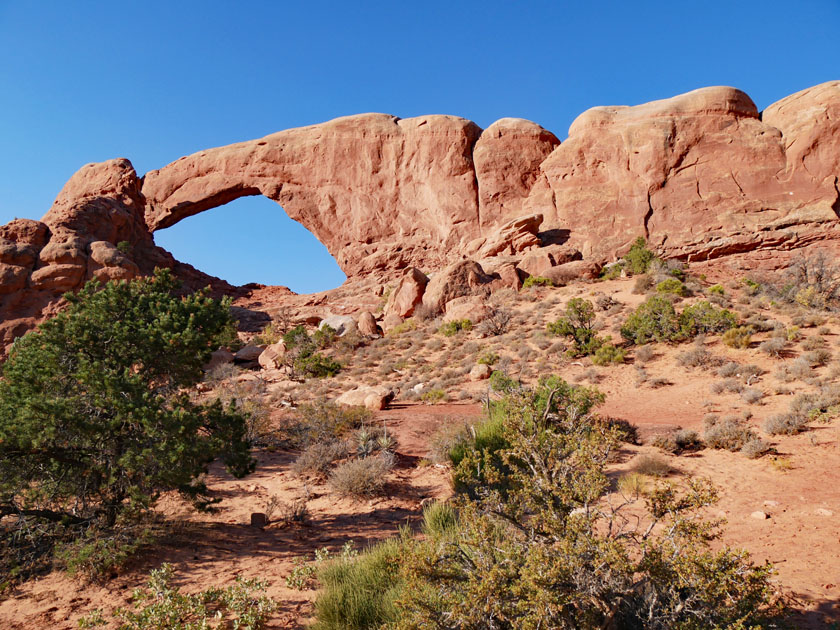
x=489, y=492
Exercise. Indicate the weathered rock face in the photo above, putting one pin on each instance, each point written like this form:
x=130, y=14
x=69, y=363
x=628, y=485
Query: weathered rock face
x=378, y=191
x=700, y=175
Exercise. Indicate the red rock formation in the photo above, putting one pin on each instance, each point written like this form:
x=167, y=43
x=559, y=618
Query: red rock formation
x=700, y=175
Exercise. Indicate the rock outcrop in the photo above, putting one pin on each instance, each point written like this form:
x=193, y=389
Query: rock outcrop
x=700, y=175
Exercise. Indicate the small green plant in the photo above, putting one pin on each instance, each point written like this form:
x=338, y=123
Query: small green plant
x=717, y=289
x=704, y=318
x=639, y=258
x=433, y=396
x=537, y=281
x=302, y=575
x=672, y=286
x=740, y=337
x=609, y=353
x=488, y=358
x=269, y=335
x=578, y=324
x=124, y=247
x=450, y=329
x=161, y=605
x=751, y=287
x=501, y=382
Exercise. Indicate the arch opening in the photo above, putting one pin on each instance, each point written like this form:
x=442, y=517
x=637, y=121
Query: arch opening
x=252, y=239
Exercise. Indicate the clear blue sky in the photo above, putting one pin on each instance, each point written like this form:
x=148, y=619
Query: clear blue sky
x=151, y=81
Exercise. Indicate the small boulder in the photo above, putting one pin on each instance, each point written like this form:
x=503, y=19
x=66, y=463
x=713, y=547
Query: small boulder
x=759, y=515
x=248, y=353
x=367, y=324
x=480, y=372
x=537, y=263
x=408, y=294
x=462, y=278
x=467, y=307
x=341, y=324
x=272, y=357
x=219, y=357
x=374, y=398
x=569, y=272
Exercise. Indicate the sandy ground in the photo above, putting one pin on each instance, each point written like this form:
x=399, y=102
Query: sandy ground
x=798, y=488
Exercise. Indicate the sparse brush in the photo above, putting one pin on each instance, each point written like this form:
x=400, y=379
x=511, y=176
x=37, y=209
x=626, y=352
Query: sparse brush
x=651, y=465
x=785, y=424
x=361, y=477
x=752, y=395
x=726, y=433
x=755, y=448
x=740, y=337
x=643, y=354
x=774, y=347
x=317, y=459
x=632, y=484
x=817, y=357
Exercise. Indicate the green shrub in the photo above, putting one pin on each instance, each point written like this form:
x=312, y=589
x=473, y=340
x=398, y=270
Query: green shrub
x=488, y=358
x=359, y=593
x=449, y=329
x=740, y=337
x=608, y=353
x=95, y=420
x=439, y=518
x=704, y=318
x=639, y=258
x=654, y=320
x=672, y=286
x=325, y=336
x=716, y=289
x=162, y=605
x=501, y=382
x=270, y=335
x=578, y=325
x=529, y=549
x=316, y=365
x=536, y=281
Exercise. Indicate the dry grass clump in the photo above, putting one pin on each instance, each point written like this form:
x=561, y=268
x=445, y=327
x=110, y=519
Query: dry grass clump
x=731, y=385
x=316, y=459
x=729, y=432
x=632, y=484
x=785, y=424
x=774, y=347
x=643, y=354
x=756, y=447
x=752, y=395
x=678, y=441
x=698, y=357
x=362, y=478
x=651, y=465
x=817, y=358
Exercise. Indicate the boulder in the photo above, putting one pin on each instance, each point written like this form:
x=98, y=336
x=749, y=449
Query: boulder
x=272, y=357
x=457, y=280
x=536, y=263
x=219, y=357
x=511, y=238
x=341, y=324
x=374, y=398
x=248, y=353
x=471, y=308
x=570, y=272
x=367, y=324
x=480, y=372
x=408, y=294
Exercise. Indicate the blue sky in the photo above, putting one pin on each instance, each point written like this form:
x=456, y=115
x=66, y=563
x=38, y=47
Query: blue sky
x=151, y=81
